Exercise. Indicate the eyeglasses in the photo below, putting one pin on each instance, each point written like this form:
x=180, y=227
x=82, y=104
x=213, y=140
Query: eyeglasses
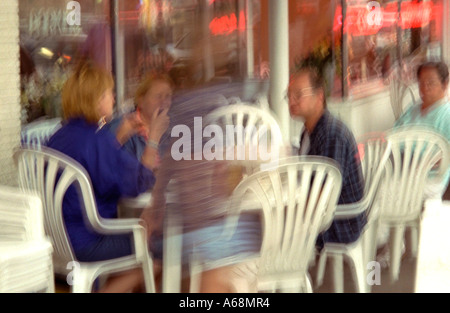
x=429, y=84
x=299, y=94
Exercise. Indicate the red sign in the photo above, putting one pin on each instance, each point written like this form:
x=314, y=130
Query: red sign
x=227, y=24
x=362, y=21
x=415, y=14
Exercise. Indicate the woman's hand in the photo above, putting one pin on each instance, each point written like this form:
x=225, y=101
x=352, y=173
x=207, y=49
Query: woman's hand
x=152, y=222
x=130, y=125
x=159, y=124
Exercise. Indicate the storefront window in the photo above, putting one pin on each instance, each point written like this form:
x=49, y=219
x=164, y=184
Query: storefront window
x=54, y=35
x=357, y=44
x=360, y=45
x=318, y=45
x=194, y=41
x=386, y=38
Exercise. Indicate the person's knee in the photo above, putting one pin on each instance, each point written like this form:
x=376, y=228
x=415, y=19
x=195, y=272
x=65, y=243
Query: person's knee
x=217, y=280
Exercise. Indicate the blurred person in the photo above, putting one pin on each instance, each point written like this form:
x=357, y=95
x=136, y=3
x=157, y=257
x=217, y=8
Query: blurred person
x=88, y=100
x=325, y=135
x=153, y=95
x=433, y=111
x=199, y=188
x=202, y=189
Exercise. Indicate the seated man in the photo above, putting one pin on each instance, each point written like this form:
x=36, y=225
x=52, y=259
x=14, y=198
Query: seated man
x=325, y=135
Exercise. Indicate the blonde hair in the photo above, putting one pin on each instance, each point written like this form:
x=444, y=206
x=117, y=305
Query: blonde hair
x=148, y=82
x=83, y=91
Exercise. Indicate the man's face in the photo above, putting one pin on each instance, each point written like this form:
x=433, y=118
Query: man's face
x=304, y=101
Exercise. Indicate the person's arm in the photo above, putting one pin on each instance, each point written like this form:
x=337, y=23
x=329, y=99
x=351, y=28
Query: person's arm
x=129, y=125
x=158, y=126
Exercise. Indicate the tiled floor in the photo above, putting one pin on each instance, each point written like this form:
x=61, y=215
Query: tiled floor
x=405, y=284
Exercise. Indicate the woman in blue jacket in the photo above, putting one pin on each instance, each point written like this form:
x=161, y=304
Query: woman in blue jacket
x=88, y=101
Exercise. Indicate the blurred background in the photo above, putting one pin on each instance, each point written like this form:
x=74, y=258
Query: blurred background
x=359, y=49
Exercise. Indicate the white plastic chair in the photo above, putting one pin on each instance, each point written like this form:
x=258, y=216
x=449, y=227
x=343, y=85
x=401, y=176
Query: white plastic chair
x=374, y=152
x=39, y=172
x=25, y=252
x=298, y=199
x=416, y=151
x=39, y=132
x=252, y=126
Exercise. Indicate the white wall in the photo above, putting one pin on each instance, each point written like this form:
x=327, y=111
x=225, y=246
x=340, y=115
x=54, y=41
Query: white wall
x=369, y=114
x=446, y=31
x=9, y=89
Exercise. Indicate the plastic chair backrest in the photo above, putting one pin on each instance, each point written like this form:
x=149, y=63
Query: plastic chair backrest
x=49, y=174
x=374, y=151
x=247, y=116
x=298, y=199
x=39, y=132
x=251, y=126
x=416, y=151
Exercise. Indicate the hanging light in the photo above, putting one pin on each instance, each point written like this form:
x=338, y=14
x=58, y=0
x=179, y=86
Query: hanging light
x=148, y=14
x=154, y=12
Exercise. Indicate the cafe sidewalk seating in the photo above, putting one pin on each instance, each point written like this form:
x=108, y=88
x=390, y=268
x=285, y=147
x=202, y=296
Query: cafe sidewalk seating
x=298, y=200
x=418, y=155
x=374, y=152
x=49, y=174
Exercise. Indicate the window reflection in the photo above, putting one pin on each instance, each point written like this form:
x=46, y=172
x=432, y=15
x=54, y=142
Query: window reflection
x=50, y=46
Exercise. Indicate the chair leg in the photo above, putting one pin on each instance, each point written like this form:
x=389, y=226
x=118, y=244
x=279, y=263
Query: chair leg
x=321, y=268
x=395, y=251
x=412, y=240
x=308, y=288
x=149, y=279
x=338, y=272
x=369, y=244
x=172, y=254
x=83, y=281
x=357, y=266
x=195, y=275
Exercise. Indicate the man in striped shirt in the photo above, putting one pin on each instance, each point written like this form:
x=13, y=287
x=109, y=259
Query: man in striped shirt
x=325, y=135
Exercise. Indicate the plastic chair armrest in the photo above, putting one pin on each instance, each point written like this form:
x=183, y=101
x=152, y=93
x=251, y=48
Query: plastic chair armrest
x=351, y=210
x=117, y=226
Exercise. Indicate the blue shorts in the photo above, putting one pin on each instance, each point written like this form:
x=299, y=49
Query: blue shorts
x=211, y=246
